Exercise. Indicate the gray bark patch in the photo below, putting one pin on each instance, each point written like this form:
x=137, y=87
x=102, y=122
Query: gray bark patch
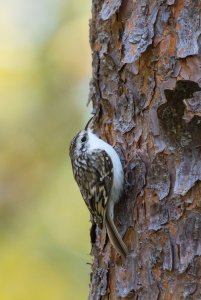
x=189, y=240
x=139, y=30
x=189, y=30
x=109, y=8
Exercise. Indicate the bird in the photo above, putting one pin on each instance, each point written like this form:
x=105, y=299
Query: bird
x=98, y=171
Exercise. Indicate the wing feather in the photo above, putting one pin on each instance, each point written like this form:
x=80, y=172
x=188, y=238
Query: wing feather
x=94, y=178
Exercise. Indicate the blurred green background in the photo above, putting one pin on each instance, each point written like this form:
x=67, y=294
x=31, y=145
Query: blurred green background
x=44, y=74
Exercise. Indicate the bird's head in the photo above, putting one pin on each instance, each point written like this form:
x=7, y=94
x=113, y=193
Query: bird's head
x=79, y=143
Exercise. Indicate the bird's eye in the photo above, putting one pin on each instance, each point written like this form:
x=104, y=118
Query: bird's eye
x=83, y=139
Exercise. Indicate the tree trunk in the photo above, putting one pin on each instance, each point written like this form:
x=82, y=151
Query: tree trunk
x=146, y=97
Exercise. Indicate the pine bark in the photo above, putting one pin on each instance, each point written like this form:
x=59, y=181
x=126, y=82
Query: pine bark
x=146, y=95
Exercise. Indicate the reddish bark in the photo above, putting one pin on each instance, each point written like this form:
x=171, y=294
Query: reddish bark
x=146, y=93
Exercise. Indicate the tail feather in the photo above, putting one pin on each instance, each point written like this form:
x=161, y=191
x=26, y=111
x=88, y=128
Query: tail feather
x=115, y=237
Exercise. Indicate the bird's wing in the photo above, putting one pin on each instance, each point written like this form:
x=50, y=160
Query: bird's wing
x=94, y=179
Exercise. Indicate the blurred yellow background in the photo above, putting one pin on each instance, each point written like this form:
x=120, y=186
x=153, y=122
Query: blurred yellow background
x=45, y=65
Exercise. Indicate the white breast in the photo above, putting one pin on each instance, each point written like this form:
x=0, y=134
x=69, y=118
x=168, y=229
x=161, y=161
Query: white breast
x=118, y=175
